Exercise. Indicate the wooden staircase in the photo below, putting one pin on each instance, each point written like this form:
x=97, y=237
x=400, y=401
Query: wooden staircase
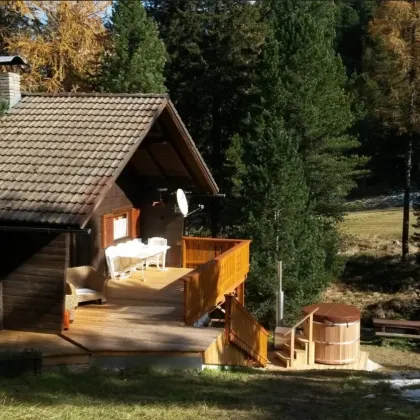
x=243, y=331
x=220, y=270
x=292, y=349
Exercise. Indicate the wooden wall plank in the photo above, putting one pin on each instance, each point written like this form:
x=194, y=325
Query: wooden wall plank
x=32, y=277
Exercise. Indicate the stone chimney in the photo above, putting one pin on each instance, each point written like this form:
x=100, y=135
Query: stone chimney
x=10, y=88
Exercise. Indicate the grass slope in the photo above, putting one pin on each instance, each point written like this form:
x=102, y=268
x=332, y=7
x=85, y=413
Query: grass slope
x=377, y=283
x=200, y=396
x=384, y=224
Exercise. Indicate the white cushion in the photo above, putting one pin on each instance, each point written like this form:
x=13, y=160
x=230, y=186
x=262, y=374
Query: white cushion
x=85, y=291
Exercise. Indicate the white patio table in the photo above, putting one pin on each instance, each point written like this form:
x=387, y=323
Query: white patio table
x=143, y=253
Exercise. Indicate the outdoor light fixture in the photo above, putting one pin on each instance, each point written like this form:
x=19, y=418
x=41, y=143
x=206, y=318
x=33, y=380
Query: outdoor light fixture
x=160, y=202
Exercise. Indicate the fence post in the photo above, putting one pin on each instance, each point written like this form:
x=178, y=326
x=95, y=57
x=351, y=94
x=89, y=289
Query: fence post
x=311, y=347
x=292, y=347
x=227, y=319
x=184, y=253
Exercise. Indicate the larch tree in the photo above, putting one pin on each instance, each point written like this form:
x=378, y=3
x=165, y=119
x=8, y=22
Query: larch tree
x=393, y=64
x=137, y=57
x=63, y=43
x=12, y=22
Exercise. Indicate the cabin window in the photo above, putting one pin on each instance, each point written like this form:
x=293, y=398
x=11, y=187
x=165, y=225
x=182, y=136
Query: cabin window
x=120, y=226
x=121, y=223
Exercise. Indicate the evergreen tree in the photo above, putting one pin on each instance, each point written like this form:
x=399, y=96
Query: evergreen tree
x=315, y=105
x=272, y=199
x=137, y=58
x=353, y=17
x=213, y=47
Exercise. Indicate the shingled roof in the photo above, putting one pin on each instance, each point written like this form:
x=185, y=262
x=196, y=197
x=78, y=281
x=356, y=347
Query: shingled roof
x=59, y=153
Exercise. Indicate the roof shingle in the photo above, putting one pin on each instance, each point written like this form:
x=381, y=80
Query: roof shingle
x=58, y=151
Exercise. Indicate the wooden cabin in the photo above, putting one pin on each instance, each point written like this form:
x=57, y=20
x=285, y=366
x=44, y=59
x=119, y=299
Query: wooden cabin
x=72, y=164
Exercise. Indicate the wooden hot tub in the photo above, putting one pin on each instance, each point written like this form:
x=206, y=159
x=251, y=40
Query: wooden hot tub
x=336, y=333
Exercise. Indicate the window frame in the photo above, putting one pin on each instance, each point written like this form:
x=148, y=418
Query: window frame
x=128, y=224
x=133, y=231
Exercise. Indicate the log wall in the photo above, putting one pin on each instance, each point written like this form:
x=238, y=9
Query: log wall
x=32, y=277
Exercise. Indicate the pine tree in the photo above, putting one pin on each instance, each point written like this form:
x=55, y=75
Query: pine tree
x=315, y=105
x=213, y=46
x=272, y=199
x=137, y=58
x=353, y=18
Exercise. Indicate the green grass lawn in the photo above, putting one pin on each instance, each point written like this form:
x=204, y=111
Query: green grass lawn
x=384, y=224
x=207, y=395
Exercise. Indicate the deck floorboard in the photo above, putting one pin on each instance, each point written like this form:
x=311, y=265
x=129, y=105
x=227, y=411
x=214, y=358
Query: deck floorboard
x=51, y=345
x=140, y=316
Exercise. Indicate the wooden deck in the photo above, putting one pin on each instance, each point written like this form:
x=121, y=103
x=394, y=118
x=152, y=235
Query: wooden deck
x=55, y=350
x=140, y=317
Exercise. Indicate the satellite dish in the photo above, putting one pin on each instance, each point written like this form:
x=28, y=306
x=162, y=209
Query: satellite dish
x=182, y=202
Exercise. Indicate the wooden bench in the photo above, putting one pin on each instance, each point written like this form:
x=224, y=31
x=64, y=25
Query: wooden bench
x=396, y=328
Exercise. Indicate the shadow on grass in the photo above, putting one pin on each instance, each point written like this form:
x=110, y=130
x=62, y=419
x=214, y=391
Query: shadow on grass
x=387, y=275
x=384, y=274
x=268, y=396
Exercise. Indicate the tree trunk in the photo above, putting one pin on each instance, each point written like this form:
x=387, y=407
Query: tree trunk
x=409, y=151
x=407, y=190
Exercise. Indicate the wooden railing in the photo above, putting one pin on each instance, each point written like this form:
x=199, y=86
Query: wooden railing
x=206, y=286
x=198, y=251
x=244, y=331
x=311, y=344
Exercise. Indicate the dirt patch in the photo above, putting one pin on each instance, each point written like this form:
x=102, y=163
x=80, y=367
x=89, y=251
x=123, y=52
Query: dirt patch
x=374, y=304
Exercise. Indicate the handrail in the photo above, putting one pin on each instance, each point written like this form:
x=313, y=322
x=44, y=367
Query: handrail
x=204, y=238
x=197, y=251
x=311, y=350
x=206, y=286
x=301, y=321
x=243, y=330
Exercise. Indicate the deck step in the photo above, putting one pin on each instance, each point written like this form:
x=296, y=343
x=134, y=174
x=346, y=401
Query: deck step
x=300, y=355
x=283, y=357
x=287, y=347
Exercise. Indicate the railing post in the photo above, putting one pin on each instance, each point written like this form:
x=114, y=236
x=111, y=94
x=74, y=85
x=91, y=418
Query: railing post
x=311, y=347
x=292, y=347
x=186, y=301
x=184, y=253
x=240, y=293
x=228, y=307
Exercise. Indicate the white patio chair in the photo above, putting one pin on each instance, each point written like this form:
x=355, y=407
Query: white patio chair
x=156, y=259
x=115, y=266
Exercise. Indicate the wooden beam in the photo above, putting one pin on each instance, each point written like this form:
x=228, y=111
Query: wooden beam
x=170, y=135
x=156, y=162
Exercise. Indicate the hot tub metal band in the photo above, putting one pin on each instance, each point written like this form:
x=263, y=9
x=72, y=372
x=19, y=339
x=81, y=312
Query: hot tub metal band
x=342, y=362
x=336, y=324
x=336, y=342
